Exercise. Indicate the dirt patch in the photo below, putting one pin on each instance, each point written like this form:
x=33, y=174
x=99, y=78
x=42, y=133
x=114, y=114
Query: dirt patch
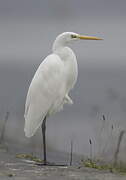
x=18, y=169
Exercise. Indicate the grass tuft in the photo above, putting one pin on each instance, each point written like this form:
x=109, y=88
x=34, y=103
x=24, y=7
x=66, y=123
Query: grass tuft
x=29, y=157
x=97, y=164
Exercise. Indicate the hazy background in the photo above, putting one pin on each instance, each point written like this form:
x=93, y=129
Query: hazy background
x=27, y=31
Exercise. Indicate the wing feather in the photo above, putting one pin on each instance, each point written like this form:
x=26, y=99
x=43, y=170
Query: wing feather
x=47, y=87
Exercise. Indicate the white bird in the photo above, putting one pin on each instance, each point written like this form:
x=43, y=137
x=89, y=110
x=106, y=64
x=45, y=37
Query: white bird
x=51, y=84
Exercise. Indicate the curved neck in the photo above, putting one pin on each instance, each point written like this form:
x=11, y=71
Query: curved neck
x=58, y=44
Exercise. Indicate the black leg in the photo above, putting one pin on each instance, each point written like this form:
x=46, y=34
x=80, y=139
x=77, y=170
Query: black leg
x=44, y=139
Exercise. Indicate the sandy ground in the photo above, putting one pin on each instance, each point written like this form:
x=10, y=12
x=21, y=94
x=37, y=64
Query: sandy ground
x=18, y=169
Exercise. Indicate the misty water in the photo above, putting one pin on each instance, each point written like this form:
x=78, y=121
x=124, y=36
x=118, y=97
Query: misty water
x=99, y=91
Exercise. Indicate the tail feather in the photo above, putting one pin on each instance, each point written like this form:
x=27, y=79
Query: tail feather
x=32, y=123
x=31, y=128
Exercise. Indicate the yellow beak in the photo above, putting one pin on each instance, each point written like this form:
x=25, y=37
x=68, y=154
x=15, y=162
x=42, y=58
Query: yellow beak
x=89, y=37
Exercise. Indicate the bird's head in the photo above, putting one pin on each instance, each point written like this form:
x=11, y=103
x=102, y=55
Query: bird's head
x=66, y=37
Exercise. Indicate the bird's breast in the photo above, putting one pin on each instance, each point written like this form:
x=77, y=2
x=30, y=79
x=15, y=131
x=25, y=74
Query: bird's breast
x=71, y=68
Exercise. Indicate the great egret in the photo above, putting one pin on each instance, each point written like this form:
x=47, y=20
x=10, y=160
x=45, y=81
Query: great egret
x=50, y=86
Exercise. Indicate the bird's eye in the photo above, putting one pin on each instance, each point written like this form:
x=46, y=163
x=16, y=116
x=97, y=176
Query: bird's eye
x=73, y=36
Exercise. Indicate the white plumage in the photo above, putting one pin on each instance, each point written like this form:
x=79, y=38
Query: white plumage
x=49, y=88
x=52, y=82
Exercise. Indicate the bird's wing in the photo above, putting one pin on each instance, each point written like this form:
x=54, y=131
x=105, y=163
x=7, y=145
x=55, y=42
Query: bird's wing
x=46, y=87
